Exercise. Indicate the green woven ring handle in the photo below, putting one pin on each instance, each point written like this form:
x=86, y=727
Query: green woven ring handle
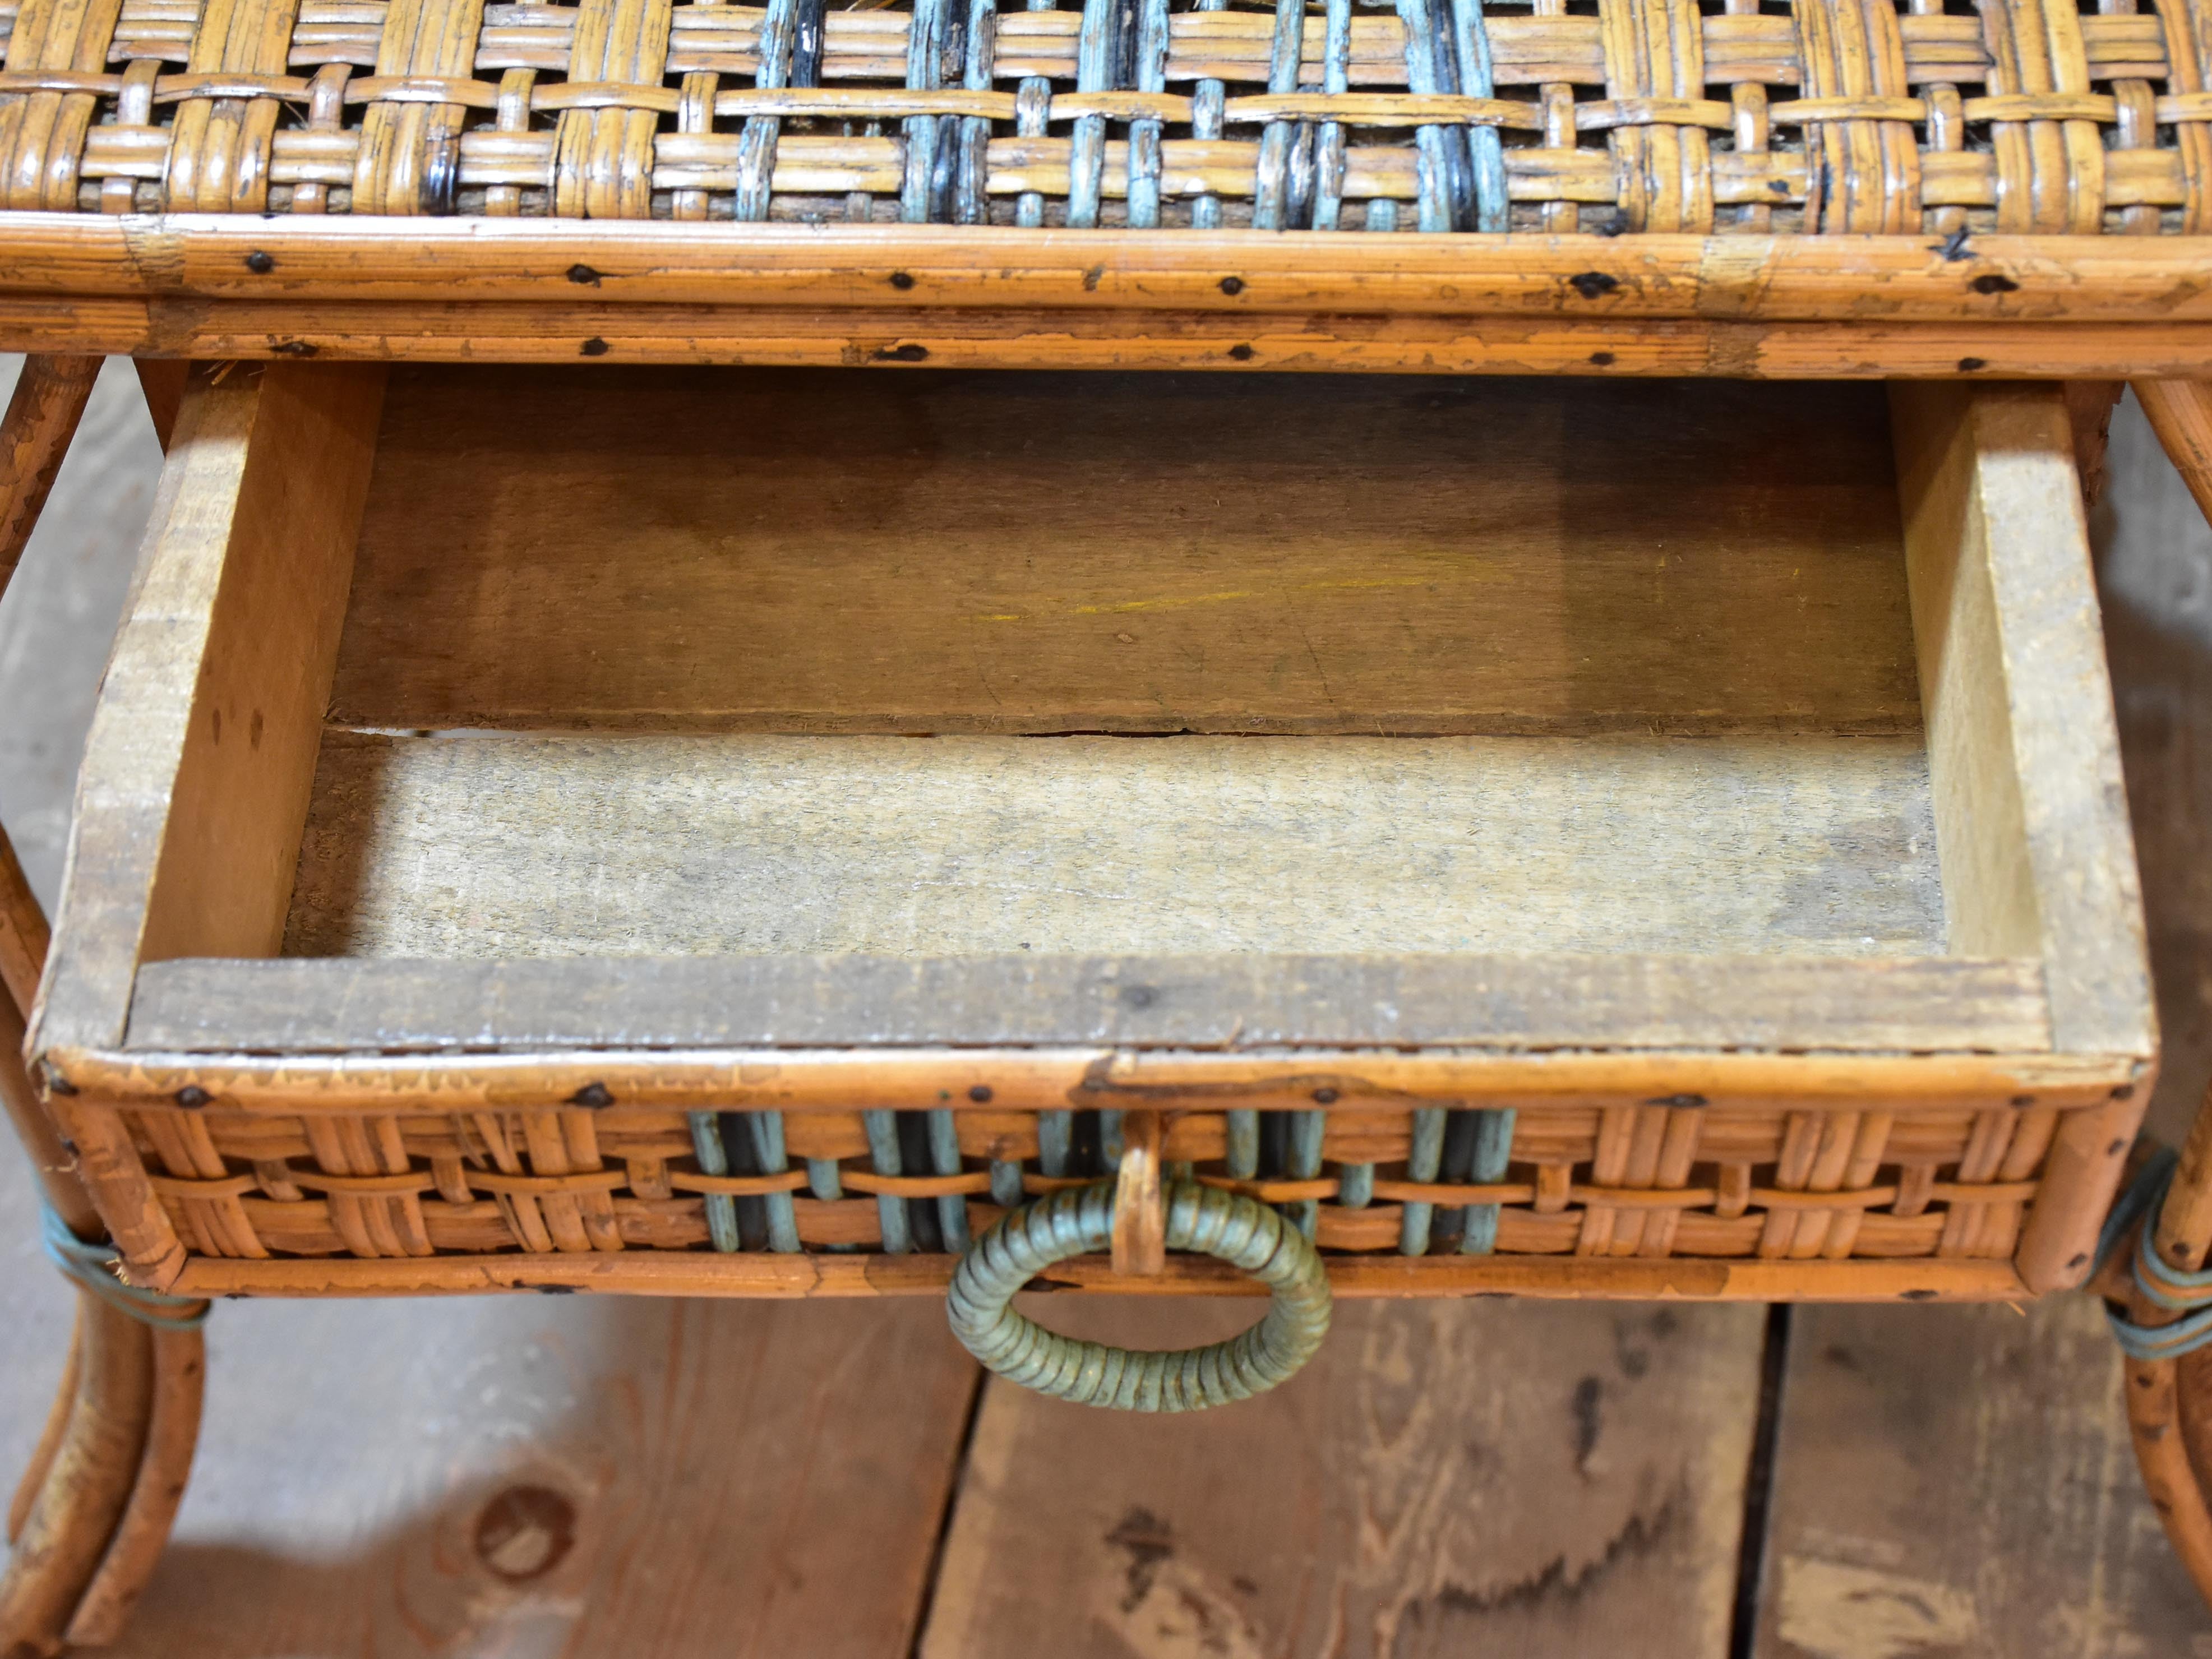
x=1079, y=1220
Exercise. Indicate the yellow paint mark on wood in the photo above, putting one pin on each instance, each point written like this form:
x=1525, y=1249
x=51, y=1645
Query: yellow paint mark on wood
x=1173, y=602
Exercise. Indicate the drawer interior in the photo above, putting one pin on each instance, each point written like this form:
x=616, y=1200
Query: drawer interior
x=701, y=662
x=571, y=710
x=1716, y=784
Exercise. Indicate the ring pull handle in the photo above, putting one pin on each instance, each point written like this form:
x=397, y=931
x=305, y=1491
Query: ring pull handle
x=1081, y=1220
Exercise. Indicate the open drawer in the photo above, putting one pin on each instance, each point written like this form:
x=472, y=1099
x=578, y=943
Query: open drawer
x=737, y=830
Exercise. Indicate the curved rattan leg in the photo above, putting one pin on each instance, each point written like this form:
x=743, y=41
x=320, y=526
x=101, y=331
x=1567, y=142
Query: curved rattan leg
x=2180, y=412
x=2154, y=1394
x=33, y=1478
x=172, y=1436
x=42, y=415
x=2169, y=1401
x=94, y=1508
x=88, y=1484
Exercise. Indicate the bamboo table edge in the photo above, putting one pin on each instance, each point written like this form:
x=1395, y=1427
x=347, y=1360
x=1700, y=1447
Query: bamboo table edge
x=616, y=291
x=799, y=1080
x=645, y=1272
x=1848, y=278
x=545, y=332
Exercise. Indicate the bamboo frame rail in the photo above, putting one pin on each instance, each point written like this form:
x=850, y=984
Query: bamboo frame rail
x=621, y=291
x=1995, y=279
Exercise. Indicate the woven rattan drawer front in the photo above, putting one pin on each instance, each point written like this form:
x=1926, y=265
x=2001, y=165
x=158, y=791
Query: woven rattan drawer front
x=738, y=830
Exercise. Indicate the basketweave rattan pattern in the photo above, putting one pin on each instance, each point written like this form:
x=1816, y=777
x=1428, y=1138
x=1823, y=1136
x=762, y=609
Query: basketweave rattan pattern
x=2027, y=116
x=1651, y=1181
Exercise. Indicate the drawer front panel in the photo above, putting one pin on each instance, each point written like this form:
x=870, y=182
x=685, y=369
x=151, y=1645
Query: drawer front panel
x=1432, y=1185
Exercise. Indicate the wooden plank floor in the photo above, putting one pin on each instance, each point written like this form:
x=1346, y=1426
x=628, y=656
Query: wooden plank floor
x=568, y=1475
x=1963, y=1485
x=1445, y=1478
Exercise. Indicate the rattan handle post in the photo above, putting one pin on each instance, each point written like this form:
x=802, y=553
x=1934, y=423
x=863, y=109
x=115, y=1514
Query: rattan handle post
x=1140, y=1211
x=1079, y=1220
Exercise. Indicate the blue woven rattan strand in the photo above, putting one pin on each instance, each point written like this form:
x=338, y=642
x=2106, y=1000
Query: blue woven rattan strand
x=778, y=39
x=1307, y=1129
x=1056, y=1141
x=1095, y=60
x=715, y=1160
x=1355, y=1185
x=1494, y=1145
x=919, y=197
x=969, y=204
x=882, y=1129
x=824, y=1182
x=767, y=1131
x=1328, y=149
x=1272, y=204
x=1422, y=1161
x=1208, y=105
x=2178, y=1292
x=92, y=1267
x=1485, y=149
x=1144, y=164
x=1439, y=151
x=1031, y=99
x=1080, y=1220
x=944, y=1155
x=1243, y=1133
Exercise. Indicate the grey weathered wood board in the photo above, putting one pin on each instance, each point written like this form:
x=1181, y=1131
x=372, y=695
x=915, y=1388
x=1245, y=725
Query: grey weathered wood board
x=1444, y=1478
x=488, y=846
x=593, y=1476
x=796, y=549
x=1958, y=1482
x=326, y=1004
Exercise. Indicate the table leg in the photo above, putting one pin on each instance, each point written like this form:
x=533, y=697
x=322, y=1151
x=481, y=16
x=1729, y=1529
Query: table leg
x=2169, y=1401
x=94, y=1508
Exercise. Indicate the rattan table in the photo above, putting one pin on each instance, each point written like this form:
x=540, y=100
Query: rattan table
x=591, y=796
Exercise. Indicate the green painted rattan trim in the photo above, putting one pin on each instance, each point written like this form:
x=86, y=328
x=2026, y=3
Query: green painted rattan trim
x=94, y=1266
x=1080, y=1220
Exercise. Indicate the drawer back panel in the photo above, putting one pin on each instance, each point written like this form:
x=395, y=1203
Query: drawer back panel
x=1448, y=666
x=814, y=551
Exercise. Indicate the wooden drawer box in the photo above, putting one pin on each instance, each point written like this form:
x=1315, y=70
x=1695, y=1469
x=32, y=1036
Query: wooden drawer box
x=734, y=831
